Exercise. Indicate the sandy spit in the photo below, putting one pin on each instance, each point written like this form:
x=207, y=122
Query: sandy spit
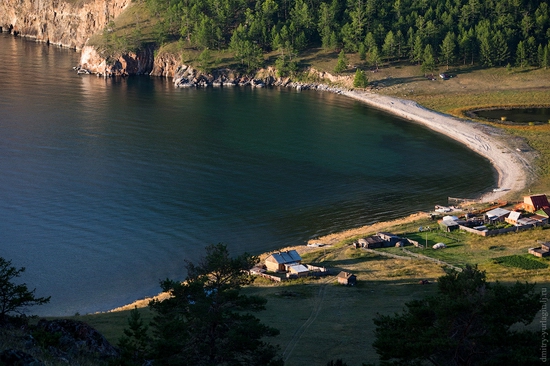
x=514, y=167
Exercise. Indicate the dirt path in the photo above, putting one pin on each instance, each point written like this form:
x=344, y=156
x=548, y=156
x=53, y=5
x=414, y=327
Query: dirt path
x=304, y=327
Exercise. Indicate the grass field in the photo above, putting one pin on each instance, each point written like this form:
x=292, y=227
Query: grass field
x=314, y=313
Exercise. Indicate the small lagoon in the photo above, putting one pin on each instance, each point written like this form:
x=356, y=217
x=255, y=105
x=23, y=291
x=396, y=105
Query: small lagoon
x=515, y=115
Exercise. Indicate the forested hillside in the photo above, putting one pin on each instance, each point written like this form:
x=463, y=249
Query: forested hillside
x=484, y=32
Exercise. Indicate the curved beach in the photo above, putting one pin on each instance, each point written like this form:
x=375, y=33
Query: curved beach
x=513, y=166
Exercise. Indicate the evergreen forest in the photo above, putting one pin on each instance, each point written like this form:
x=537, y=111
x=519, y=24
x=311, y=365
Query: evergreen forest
x=485, y=33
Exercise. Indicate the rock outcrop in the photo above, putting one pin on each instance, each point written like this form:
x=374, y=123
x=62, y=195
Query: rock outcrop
x=74, y=337
x=64, y=23
x=132, y=63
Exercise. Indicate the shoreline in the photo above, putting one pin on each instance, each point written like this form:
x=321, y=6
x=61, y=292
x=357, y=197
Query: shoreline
x=513, y=169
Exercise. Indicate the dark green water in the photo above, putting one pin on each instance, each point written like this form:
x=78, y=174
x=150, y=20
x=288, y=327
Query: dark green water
x=517, y=115
x=106, y=186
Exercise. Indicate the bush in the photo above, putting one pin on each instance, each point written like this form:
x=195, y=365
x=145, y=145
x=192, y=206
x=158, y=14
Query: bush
x=519, y=261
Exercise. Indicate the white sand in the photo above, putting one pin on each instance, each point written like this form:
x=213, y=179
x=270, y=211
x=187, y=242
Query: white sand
x=513, y=167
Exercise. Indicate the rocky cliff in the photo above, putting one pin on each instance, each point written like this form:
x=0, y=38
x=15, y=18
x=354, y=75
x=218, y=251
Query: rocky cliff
x=65, y=23
x=131, y=63
x=70, y=23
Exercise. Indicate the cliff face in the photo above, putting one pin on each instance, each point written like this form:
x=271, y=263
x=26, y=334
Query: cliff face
x=68, y=24
x=128, y=64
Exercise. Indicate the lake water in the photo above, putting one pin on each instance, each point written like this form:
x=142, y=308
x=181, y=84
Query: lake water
x=106, y=186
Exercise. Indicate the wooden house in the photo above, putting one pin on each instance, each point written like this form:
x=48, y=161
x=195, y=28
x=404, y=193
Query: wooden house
x=277, y=262
x=450, y=223
x=497, y=214
x=542, y=251
x=513, y=217
x=535, y=202
x=346, y=278
x=297, y=270
x=372, y=242
x=390, y=238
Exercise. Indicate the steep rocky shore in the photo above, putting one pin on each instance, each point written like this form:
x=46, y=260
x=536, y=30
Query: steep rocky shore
x=67, y=24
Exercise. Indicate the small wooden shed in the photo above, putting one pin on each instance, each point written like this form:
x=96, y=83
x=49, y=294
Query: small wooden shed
x=346, y=278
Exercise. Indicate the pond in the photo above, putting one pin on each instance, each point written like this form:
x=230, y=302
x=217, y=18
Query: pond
x=515, y=115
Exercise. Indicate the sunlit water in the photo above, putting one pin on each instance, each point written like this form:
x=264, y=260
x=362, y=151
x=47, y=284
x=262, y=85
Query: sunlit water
x=107, y=186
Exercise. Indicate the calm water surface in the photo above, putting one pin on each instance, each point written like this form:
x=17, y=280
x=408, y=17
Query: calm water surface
x=519, y=115
x=106, y=186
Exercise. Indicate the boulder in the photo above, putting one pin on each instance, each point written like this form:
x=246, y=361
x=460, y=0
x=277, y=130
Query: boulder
x=12, y=357
x=76, y=336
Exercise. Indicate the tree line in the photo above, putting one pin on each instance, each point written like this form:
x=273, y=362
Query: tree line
x=486, y=33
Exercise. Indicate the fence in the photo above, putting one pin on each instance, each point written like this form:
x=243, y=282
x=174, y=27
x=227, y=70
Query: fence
x=270, y=277
x=497, y=231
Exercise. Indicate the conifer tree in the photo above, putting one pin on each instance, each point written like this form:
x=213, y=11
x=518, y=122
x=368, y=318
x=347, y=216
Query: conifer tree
x=467, y=322
x=360, y=80
x=448, y=48
x=15, y=296
x=207, y=320
x=342, y=63
x=428, y=61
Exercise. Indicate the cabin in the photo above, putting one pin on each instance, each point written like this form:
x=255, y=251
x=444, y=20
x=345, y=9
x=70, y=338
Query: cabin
x=497, y=215
x=535, y=202
x=277, y=262
x=346, y=278
x=389, y=238
x=451, y=223
x=513, y=217
x=372, y=242
x=449, y=226
x=542, y=251
x=296, y=270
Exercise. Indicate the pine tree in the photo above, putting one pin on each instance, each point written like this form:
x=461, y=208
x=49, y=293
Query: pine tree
x=417, y=50
x=428, y=62
x=468, y=321
x=15, y=297
x=500, y=47
x=207, y=320
x=360, y=80
x=521, y=55
x=342, y=63
x=362, y=52
x=545, y=57
x=388, y=49
x=374, y=57
x=448, y=48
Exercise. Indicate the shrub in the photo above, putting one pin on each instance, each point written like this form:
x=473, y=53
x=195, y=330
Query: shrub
x=519, y=261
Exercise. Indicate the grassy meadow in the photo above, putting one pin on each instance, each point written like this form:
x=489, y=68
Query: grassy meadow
x=320, y=320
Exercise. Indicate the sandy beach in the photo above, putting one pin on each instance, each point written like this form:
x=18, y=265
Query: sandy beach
x=514, y=167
